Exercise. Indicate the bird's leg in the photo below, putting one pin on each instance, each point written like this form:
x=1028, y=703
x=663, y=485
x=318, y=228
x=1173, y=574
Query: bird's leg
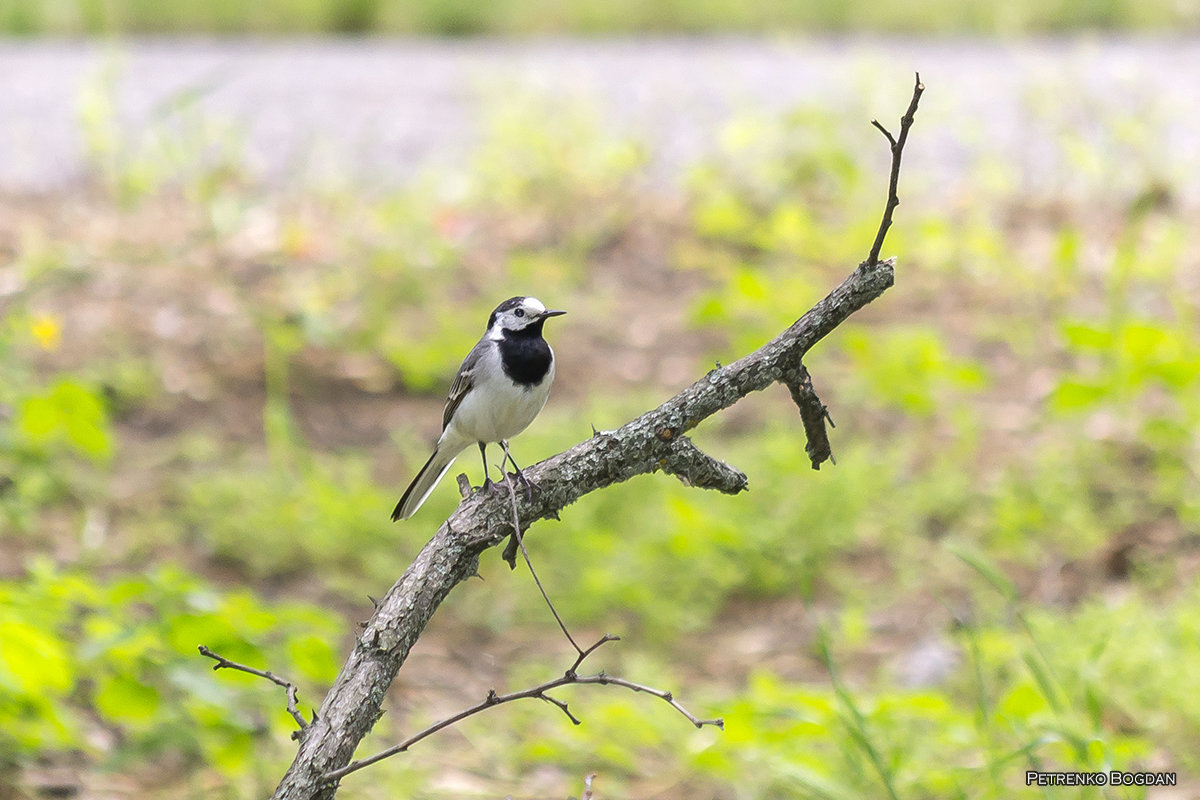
x=487, y=477
x=520, y=475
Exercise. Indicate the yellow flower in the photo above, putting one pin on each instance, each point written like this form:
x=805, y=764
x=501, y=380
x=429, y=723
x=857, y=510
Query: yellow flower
x=47, y=330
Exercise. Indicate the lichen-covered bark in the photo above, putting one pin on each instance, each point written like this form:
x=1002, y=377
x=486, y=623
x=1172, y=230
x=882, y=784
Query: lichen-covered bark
x=653, y=441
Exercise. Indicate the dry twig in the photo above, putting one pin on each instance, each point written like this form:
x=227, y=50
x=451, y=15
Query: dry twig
x=538, y=692
x=289, y=687
x=897, y=147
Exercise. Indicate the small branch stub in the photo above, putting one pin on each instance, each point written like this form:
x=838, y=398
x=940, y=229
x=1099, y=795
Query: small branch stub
x=694, y=467
x=813, y=414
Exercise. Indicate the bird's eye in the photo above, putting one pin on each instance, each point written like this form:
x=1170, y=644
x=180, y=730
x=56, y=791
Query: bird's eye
x=520, y=312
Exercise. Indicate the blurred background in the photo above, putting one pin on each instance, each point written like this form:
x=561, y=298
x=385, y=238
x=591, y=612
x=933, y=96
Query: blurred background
x=243, y=248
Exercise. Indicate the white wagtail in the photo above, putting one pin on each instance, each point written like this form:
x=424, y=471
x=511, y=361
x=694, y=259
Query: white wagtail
x=501, y=386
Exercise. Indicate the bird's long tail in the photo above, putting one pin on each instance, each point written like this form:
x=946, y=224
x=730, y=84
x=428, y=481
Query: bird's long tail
x=443, y=456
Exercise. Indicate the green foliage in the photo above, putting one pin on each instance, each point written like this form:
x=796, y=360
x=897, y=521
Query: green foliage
x=769, y=223
x=67, y=417
x=1121, y=361
x=34, y=673
x=55, y=448
x=1049, y=691
x=553, y=160
x=1054, y=693
x=1101, y=655
x=798, y=741
x=124, y=649
x=523, y=17
x=774, y=180
x=303, y=517
x=909, y=369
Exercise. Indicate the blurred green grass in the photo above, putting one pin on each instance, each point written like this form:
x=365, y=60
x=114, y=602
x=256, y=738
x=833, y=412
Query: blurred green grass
x=1016, y=485
x=525, y=17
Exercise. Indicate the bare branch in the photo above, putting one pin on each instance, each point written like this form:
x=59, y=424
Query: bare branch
x=813, y=414
x=696, y=468
x=289, y=687
x=897, y=147
x=607, y=680
x=482, y=521
x=538, y=692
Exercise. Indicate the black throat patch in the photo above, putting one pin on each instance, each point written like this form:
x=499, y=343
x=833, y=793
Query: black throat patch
x=525, y=355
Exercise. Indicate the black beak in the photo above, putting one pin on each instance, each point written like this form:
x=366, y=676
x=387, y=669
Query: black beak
x=552, y=313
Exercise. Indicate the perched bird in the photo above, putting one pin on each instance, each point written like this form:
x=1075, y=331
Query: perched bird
x=501, y=386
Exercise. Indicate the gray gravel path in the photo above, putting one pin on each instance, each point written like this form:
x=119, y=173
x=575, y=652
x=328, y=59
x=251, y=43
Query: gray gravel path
x=1051, y=114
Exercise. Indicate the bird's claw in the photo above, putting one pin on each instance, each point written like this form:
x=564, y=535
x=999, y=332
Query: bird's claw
x=519, y=477
x=528, y=484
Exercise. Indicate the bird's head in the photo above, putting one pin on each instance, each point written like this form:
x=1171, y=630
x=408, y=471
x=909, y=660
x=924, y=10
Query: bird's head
x=520, y=314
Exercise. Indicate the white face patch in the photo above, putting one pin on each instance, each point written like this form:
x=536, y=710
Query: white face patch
x=514, y=319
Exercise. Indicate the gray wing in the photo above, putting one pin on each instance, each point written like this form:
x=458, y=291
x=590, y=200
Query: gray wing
x=463, y=382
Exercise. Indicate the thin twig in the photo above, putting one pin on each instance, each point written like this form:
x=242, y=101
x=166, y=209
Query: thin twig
x=520, y=540
x=607, y=680
x=534, y=692
x=292, y=699
x=897, y=147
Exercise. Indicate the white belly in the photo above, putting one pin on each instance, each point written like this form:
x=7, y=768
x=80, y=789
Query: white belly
x=499, y=409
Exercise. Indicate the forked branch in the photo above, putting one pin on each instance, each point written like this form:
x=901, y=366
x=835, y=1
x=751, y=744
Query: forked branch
x=897, y=147
x=538, y=692
x=644, y=445
x=289, y=687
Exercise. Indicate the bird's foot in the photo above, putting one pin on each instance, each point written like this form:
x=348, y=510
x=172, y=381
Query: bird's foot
x=528, y=484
